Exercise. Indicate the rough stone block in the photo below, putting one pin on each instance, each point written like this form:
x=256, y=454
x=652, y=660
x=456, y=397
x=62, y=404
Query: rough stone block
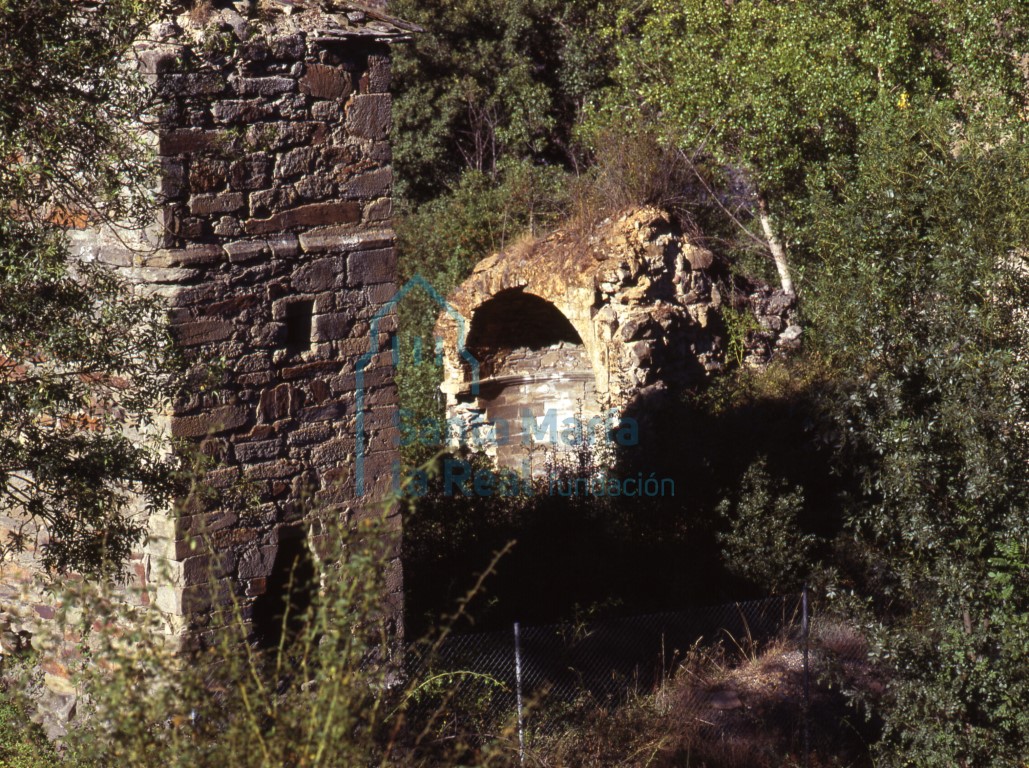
x=242, y=251
x=262, y=450
x=295, y=162
x=226, y=202
x=329, y=111
x=312, y=215
x=257, y=562
x=317, y=276
x=267, y=201
x=329, y=411
x=265, y=86
x=304, y=370
x=314, y=433
x=207, y=174
x=375, y=183
x=288, y=47
x=334, y=451
x=191, y=84
x=378, y=74
x=242, y=111
x=370, y=116
x=252, y=172
x=274, y=470
x=278, y=403
x=188, y=140
x=344, y=238
x=284, y=246
x=325, y=82
x=201, y=569
x=379, y=210
x=202, y=332
x=157, y=61
x=331, y=327
x=316, y=186
x=219, y=420
x=173, y=178
x=292, y=106
x=378, y=266
x=269, y=336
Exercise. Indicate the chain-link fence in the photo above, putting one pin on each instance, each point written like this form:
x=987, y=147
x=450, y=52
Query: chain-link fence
x=529, y=680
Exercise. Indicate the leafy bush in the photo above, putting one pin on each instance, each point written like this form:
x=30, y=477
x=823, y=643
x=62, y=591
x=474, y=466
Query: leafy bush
x=764, y=542
x=22, y=743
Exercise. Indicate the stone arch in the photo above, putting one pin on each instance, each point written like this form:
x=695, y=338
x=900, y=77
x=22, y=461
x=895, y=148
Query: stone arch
x=635, y=292
x=533, y=365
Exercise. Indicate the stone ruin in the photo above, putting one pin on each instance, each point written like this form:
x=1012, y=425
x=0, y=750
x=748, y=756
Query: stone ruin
x=574, y=327
x=274, y=249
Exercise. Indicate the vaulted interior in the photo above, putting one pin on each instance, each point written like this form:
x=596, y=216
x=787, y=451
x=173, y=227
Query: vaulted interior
x=534, y=376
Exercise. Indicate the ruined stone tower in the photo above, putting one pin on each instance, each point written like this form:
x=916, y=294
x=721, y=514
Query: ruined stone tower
x=274, y=250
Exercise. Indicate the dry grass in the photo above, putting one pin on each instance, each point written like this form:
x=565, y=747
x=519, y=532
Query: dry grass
x=732, y=707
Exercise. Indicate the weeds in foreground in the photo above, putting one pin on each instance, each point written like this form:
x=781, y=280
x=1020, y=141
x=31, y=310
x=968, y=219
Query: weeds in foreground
x=328, y=689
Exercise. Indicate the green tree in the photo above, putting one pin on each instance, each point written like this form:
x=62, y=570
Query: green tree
x=887, y=143
x=83, y=359
x=920, y=303
x=775, y=91
x=493, y=81
x=764, y=542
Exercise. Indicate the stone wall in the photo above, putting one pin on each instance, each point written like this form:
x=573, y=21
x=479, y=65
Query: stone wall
x=273, y=249
x=633, y=298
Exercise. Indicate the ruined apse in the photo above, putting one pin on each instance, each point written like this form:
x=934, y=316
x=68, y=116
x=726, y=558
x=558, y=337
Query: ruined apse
x=575, y=328
x=273, y=249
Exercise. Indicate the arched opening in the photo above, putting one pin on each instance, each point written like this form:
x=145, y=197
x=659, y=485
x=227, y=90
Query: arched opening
x=514, y=319
x=535, y=376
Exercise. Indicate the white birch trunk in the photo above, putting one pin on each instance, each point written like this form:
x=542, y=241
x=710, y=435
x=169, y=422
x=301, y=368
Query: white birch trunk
x=776, y=248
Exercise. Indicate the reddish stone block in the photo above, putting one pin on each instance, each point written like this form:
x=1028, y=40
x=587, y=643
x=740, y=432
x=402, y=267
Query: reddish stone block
x=202, y=332
x=317, y=276
x=243, y=251
x=252, y=172
x=242, y=111
x=325, y=82
x=315, y=433
x=312, y=215
x=378, y=74
x=370, y=116
x=264, y=86
x=278, y=403
x=262, y=450
x=372, y=184
x=227, y=202
x=187, y=140
x=334, y=326
x=219, y=420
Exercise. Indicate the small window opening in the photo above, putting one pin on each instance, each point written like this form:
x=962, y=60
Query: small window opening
x=298, y=326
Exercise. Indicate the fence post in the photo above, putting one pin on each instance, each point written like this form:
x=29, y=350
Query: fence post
x=807, y=689
x=518, y=692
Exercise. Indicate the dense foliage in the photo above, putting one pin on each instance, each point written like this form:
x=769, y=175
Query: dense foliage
x=82, y=358
x=882, y=147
